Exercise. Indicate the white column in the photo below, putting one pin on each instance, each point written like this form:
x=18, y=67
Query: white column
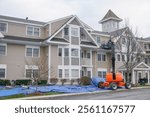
x=49, y=63
x=133, y=76
x=148, y=78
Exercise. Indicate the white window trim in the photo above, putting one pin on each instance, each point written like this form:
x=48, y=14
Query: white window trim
x=4, y=44
x=70, y=68
x=101, y=70
x=74, y=26
x=6, y=27
x=78, y=53
x=97, y=39
x=78, y=73
x=4, y=66
x=33, y=67
x=33, y=31
x=38, y=47
x=101, y=57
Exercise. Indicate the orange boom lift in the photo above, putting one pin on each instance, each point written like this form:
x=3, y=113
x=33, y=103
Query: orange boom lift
x=113, y=80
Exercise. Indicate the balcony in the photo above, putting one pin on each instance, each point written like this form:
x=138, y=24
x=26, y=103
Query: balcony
x=86, y=62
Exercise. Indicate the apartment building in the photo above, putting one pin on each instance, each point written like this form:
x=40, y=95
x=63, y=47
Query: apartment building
x=65, y=48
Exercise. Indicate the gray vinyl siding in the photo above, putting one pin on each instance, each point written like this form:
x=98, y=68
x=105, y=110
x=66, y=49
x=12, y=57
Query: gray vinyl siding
x=54, y=61
x=16, y=61
x=75, y=40
x=66, y=60
x=74, y=61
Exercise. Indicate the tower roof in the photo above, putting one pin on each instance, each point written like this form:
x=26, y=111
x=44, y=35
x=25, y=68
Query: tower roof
x=110, y=15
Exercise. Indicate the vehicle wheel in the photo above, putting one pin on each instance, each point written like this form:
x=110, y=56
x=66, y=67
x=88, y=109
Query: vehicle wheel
x=100, y=85
x=128, y=85
x=113, y=86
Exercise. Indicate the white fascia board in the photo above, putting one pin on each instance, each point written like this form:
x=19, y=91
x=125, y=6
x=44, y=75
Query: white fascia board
x=1, y=35
x=63, y=43
x=109, y=19
x=48, y=40
x=143, y=64
x=88, y=46
x=21, y=42
x=56, y=20
x=100, y=34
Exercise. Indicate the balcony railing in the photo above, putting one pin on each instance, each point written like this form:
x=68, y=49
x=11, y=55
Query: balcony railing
x=86, y=62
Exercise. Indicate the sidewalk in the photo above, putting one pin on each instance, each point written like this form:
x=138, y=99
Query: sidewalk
x=74, y=94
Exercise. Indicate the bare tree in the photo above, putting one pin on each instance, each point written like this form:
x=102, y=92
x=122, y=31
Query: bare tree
x=130, y=48
x=41, y=71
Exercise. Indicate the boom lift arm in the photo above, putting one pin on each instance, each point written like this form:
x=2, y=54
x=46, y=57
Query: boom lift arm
x=113, y=80
x=111, y=46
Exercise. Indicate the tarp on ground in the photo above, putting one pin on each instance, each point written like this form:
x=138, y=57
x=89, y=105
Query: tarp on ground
x=67, y=88
x=54, y=88
x=15, y=91
x=95, y=80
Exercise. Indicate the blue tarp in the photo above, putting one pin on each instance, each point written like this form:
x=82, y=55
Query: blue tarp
x=95, y=80
x=14, y=91
x=67, y=88
x=54, y=88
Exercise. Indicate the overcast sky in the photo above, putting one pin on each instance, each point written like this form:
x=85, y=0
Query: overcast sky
x=89, y=11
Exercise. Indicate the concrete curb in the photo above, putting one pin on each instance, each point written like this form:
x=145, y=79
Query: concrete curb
x=75, y=94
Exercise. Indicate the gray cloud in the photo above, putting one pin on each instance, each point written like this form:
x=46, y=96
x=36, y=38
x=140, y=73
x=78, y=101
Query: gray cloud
x=90, y=11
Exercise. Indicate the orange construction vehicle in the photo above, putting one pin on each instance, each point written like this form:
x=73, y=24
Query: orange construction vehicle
x=113, y=80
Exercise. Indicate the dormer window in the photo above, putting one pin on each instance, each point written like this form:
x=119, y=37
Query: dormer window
x=3, y=27
x=74, y=32
x=98, y=39
x=123, y=41
x=33, y=31
x=66, y=31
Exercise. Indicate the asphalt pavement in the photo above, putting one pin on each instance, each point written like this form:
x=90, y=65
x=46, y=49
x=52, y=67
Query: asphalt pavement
x=122, y=94
x=134, y=94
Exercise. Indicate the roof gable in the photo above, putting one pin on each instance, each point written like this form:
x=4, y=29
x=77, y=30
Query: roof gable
x=110, y=15
x=75, y=20
x=141, y=66
x=57, y=24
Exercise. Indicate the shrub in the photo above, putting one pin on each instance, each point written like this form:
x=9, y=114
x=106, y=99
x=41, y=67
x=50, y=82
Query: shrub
x=85, y=80
x=42, y=82
x=23, y=82
x=72, y=81
x=63, y=81
x=5, y=82
x=54, y=80
x=79, y=81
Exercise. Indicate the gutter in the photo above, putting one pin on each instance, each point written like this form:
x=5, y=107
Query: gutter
x=22, y=42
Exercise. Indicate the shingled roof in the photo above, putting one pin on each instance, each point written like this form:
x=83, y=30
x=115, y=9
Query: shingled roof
x=110, y=15
x=22, y=20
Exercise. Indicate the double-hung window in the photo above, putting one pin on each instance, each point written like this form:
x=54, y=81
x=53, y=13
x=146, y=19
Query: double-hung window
x=32, y=71
x=32, y=51
x=66, y=31
x=102, y=74
x=3, y=49
x=60, y=72
x=74, y=32
x=2, y=71
x=74, y=52
x=98, y=39
x=33, y=31
x=3, y=27
x=101, y=57
x=66, y=52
